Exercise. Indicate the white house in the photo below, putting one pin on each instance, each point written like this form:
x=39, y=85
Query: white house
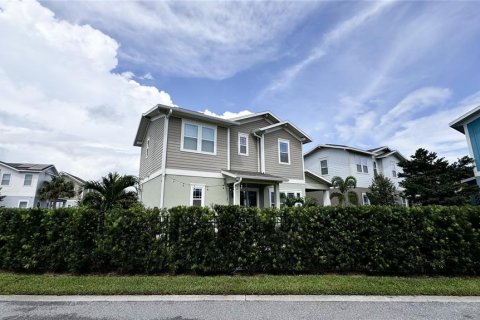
x=20, y=183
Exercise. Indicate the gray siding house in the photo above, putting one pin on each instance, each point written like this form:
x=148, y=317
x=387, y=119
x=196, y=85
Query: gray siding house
x=189, y=158
x=329, y=160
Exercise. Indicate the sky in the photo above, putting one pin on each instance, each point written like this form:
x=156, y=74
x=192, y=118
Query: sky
x=75, y=76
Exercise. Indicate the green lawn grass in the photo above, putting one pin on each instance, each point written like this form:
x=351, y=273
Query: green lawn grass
x=12, y=283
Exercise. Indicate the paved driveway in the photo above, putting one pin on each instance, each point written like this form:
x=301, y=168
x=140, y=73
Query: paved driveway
x=239, y=309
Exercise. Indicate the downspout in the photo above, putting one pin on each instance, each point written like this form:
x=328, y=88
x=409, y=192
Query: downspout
x=164, y=158
x=234, y=189
x=262, y=151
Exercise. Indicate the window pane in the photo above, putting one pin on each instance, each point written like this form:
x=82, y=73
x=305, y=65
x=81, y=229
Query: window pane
x=6, y=179
x=365, y=169
x=323, y=163
x=191, y=130
x=208, y=146
x=394, y=173
x=208, y=134
x=23, y=204
x=284, y=157
x=197, y=196
x=290, y=195
x=359, y=168
x=283, y=147
x=324, y=171
x=243, y=149
x=28, y=180
x=197, y=203
x=190, y=143
x=243, y=141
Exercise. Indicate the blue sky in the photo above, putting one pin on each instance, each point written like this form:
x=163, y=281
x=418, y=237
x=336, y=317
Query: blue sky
x=359, y=73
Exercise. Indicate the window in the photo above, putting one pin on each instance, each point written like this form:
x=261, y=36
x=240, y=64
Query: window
x=358, y=161
x=375, y=172
x=365, y=199
x=272, y=199
x=198, y=138
x=365, y=165
x=28, y=180
x=243, y=144
x=197, y=196
x=324, y=167
x=394, y=169
x=6, y=179
x=362, y=164
x=23, y=204
x=147, y=148
x=283, y=151
x=288, y=194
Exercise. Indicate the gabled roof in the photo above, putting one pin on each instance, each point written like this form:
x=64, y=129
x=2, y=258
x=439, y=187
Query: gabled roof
x=79, y=180
x=471, y=115
x=161, y=109
x=28, y=167
x=317, y=177
x=401, y=156
x=302, y=136
x=265, y=114
x=375, y=150
x=337, y=146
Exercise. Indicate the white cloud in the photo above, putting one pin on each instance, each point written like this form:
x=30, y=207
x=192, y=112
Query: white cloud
x=196, y=38
x=60, y=101
x=227, y=114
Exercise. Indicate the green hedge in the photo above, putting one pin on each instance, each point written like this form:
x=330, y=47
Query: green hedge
x=232, y=239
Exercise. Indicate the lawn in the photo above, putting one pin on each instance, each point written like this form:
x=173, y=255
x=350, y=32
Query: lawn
x=12, y=283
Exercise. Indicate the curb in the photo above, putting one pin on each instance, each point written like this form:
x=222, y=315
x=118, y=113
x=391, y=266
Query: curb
x=249, y=298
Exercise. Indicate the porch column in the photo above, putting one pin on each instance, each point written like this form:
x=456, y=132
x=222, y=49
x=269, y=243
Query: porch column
x=276, y=192
x=326, y=198
x=236, y=192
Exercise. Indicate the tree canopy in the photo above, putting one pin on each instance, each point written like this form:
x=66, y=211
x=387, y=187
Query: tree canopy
x=430, y=180
x=382, y=191
x=56, y=189
x=344, y=194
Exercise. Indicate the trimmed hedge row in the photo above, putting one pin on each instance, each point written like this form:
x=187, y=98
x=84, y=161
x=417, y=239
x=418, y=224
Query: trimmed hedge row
x=229, y=239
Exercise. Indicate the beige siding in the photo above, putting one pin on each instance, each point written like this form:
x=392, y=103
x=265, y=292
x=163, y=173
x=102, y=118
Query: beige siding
x=294, y=170
x=153, y=162
x=250, y=162
x=150, y=192
x=178, y=159
x=311, y=183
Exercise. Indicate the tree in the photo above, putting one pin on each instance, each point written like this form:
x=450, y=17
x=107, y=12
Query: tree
x=56, y=189
x=111, y=191
x=382, y=191
x=344, y=194
x=431, y=180
x=1, y=197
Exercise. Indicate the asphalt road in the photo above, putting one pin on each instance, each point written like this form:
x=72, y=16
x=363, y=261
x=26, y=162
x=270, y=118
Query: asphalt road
x=278, y=310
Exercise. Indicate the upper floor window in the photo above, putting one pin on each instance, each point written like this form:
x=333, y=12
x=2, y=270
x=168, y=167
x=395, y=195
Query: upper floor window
x=198, y=138
x=243, y=144
x=362, y=164
x=147, y=147
x=375, y=171
x=394, y=169
x=324, y=167
x=197, y=195
x=283, y=151
x=28, y=179
x=6, y=179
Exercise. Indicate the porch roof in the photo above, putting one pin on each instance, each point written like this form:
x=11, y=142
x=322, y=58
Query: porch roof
x=253, y=175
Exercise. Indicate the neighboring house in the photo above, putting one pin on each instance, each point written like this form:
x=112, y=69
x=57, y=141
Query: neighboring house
x=78, y=188
x=329, y=160
x=189, y=158
x=469, y=125
x=20, y=183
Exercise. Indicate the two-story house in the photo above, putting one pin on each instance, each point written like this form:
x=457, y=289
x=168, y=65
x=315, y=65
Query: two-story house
x=329, y=160
x=20, y=183
x=77, y=188
x=189, y=158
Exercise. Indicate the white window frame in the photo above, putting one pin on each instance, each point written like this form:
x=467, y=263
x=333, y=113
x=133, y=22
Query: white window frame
x=147, y=147
x=9, y=179
x=199, y=137
x=197, y=186
x=321, y=171
x=365, y=165
x=362, y=162
x=375, y=168
x=364, y=194
x=20, y=201
x=279, y=152
x=25, y=179
x=246, y=136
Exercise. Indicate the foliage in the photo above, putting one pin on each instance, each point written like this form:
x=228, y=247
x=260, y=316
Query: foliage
x=431, y=180
x=56, y=189
x=344, y=194
x=430, y=240
x=1, y=197
x=111, y=191
x=291, y=201
x=382, y=191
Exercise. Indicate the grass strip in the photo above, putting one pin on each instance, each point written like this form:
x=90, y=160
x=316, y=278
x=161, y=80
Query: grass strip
x=12, y=283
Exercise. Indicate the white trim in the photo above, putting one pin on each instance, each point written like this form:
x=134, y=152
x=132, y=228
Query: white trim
x=296, y=181
x=246, y=136
x=164, y=158
x=280, y=140
x=262, y=154
x=147, y=147
x=157, y=117
x=197, y=186
x=291, y=191
x=228, y=148
x=203, y=174
x=364, y=194
x=27, y=201
x=199, y=125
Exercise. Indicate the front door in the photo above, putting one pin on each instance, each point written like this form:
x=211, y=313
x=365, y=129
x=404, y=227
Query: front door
x=249, y=197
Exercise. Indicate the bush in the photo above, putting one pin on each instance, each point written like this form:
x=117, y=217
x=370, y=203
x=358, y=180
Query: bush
x=231, y=239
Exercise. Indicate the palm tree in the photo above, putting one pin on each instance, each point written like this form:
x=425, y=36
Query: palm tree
x=110, y=191
x=345, y=195
x=56, y=189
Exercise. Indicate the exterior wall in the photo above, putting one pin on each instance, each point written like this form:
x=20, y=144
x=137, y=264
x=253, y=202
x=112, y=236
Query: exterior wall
x=250, y=162
x=178, y=159
x=364, y=180
x=387, y=169
x=151, y=192
x=153, y=162
x=178, y=188
x=317, y=195
x=285, y=187
x=16, y=191
x=314, y=184
x=294, y=170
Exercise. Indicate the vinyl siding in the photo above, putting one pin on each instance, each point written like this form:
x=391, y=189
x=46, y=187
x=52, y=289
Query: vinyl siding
x=178, y=159
x=153, y=162
x=294, y=170
x=250, y=162
x=387, y=169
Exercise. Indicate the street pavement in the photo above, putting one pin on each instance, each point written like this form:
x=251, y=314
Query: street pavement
x=238, y=308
